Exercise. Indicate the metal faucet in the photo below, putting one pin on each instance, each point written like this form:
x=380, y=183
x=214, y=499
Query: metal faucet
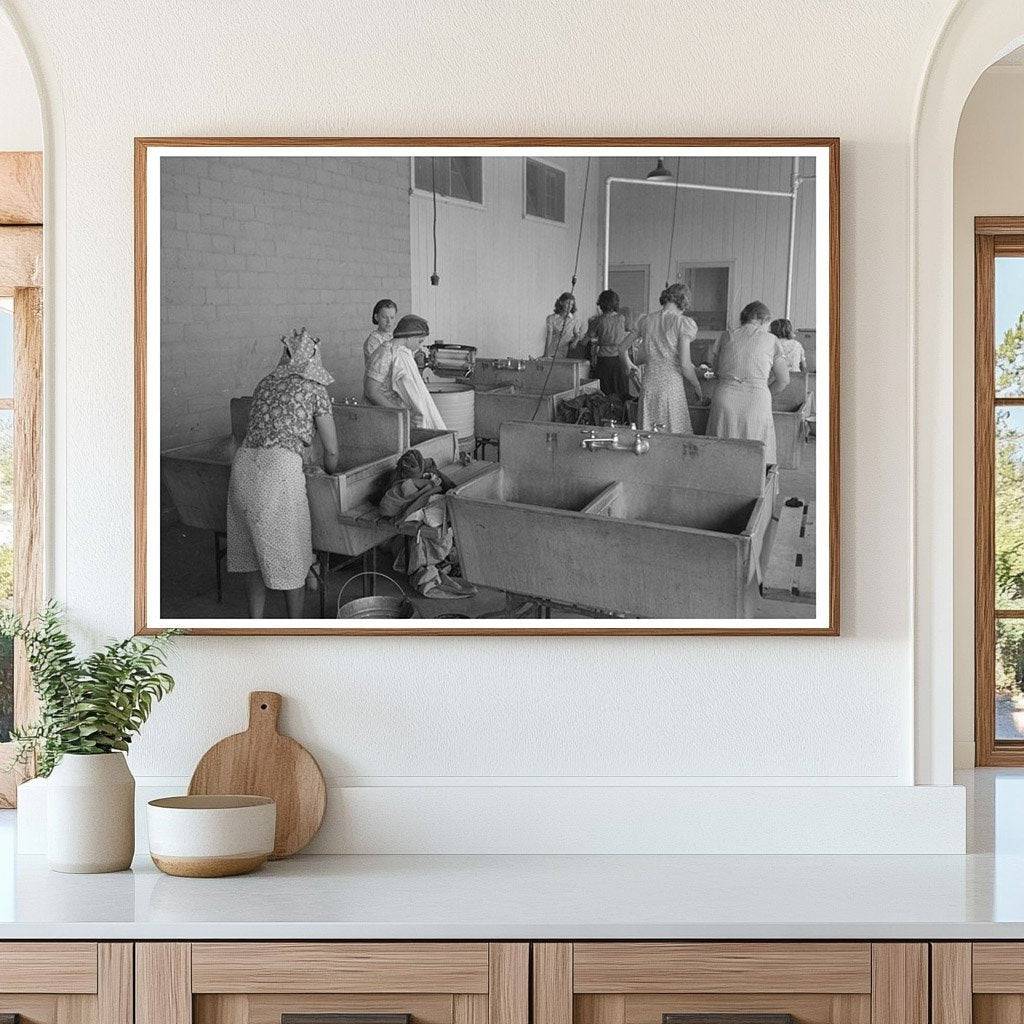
x=592, y=442
x=641, y=443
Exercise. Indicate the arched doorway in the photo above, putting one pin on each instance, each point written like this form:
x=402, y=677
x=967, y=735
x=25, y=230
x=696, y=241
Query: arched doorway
x=976, y=33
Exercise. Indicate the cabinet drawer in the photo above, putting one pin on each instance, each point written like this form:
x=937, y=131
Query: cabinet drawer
x=733, y=982
x=340, y=967
x=264, y=982
x=635, y=967
x=48, y=967
x=66, y=982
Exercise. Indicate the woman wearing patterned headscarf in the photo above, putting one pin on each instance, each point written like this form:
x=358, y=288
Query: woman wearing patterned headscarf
x=269, y=535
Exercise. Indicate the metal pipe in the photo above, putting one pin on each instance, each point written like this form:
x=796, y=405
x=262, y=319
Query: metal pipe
x=792, y=235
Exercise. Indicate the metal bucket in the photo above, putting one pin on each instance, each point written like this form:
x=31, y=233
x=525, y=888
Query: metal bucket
x=456, y=404
x=377, y=606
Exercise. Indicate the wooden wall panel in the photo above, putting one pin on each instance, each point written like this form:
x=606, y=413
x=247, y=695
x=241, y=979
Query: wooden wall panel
x=722, y=967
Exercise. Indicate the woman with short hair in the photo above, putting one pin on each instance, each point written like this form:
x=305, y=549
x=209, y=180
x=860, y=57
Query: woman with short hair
x=268, y=524
x=383, y=317
x=563, y=330
x=744, y=361
x=796, y=358
x=609, y=342
x=664, y=352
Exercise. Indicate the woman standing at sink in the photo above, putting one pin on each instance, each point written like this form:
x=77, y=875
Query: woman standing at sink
x=743, y=361
x=392, y=378
x=563, y=330
x=609, y=341
x=375, y=371
x=268, y=526
x=664, y=351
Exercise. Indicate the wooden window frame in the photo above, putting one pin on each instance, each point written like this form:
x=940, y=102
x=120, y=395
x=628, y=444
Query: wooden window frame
x=993, y=236
x=21, y=277
x=536, y=217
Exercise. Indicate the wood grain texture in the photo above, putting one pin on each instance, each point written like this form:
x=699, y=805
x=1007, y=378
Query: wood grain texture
x=262, y=762
x=225, y=1009
x=65, y=967
x=756, y=967
x=21, y=188
x=951, y=983
x=467, y=1008
x=851, y=1009
x=899, y=988
x=21, y=257
x=76, y=1009
x=31, y=1009
x=144, y=143
x=806, y=1008
x=984, y=502
x=339, y=967
x=509, y=983
x=115, y=995
x=600, y=1009
x=997, y=967
x=163, y=983
x=263, y=1008
x=552, y=983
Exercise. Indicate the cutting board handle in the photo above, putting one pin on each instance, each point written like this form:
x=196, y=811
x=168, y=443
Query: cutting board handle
x=264, y=710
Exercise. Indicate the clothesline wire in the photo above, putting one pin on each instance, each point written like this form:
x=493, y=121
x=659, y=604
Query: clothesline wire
x=672, y=233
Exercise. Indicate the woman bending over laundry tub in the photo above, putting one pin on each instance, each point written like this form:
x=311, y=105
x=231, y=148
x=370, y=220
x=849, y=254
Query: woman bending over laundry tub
x=744, y=361
x=392, y=378
x=269, y=533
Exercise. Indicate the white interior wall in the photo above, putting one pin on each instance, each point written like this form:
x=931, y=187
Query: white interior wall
x=390, y=714
x=501, y=271
x=21, y=124
x=987, y=182
x=751, y=231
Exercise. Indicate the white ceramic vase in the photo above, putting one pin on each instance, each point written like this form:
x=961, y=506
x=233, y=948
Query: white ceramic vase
x=90, y=814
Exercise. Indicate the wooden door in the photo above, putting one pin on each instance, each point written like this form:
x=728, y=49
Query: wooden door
x=308, y=982
x=735, y=982
x=66, y=982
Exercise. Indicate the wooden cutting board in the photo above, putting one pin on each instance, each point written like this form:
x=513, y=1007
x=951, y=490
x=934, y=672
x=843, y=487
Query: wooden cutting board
x=262, y=762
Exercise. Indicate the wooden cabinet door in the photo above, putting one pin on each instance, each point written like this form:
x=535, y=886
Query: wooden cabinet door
x=306, y=982
x=735, y=982
x=66, y=982
x=979, y=982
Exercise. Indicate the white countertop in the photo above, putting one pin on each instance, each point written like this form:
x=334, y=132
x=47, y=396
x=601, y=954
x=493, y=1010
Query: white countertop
x=532, y=897
x=977, y=896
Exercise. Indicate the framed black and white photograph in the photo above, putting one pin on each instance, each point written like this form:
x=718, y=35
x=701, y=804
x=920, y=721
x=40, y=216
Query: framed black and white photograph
x=444, y=386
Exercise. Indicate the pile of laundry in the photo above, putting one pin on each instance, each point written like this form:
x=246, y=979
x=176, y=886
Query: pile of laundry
x=425, y=548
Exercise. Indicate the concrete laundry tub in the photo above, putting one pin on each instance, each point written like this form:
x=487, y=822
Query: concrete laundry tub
x=675, y=532
x=371, y=439
x=791, y=408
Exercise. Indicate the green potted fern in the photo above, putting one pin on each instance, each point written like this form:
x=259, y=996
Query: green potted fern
x=89, y=710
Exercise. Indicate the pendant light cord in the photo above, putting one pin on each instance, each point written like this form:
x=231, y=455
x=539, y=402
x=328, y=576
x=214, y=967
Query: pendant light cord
x=572, y=290
x=434, y=277
x=672, y=233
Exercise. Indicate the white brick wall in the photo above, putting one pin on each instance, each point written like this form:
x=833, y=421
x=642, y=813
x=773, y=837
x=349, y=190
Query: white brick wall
x=253, y=246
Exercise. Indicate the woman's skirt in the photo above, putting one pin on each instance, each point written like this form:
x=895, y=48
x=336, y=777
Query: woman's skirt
x=665, y=404
x=268, y=517
x=743, y=410
x=613, y=377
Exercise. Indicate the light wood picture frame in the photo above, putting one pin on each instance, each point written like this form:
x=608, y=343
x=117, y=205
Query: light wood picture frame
x=549, y=575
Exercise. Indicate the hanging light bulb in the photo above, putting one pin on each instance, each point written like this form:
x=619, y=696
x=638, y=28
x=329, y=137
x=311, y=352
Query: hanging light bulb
x=660, y=172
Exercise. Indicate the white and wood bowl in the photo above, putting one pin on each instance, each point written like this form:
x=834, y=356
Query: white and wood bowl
x=211, y=836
